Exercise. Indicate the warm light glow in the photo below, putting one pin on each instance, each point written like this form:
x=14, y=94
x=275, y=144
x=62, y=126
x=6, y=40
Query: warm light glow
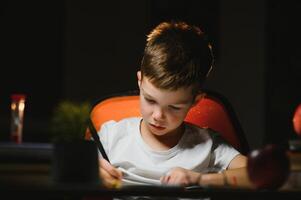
x=13, y=106
x=22, y=105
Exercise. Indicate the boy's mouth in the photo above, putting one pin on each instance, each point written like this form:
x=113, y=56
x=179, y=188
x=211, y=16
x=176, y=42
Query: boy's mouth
x=157, y=127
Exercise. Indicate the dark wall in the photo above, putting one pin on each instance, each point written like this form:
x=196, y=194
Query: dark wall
x=283, y=69
x=31, y=61
x=240, y=71
x=103, y=44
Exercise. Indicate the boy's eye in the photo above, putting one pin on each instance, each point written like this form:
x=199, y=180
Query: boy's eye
x=150, y=101
x=174, y=108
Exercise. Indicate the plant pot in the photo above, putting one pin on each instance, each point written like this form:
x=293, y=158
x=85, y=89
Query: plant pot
x=75, y=162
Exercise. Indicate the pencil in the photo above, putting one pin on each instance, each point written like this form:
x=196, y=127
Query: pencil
x=97, y=140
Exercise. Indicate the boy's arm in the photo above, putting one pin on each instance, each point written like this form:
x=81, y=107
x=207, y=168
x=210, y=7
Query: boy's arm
x=236, y=175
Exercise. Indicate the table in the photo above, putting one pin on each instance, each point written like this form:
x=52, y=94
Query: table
x=79, y=191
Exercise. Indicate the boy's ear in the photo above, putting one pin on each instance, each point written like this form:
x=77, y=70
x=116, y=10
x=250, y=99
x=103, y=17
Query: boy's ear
x=198, y=98
x=139, y=78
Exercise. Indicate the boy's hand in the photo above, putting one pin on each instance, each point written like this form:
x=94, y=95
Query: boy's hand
x=110, y=176
x=181, y=176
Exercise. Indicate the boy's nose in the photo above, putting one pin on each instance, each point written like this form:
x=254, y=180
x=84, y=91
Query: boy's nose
x=158, y=114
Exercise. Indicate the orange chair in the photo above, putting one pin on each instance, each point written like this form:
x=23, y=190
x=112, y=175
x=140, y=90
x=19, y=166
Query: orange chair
x=213, y=111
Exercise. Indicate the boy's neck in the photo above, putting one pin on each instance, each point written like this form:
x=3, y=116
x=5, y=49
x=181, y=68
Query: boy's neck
x=164, y=142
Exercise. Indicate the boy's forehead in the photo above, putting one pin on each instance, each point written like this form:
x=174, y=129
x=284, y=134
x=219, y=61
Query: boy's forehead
x=180, y=96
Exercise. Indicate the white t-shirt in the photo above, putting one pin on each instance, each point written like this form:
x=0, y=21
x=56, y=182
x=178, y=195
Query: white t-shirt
x=199, y=150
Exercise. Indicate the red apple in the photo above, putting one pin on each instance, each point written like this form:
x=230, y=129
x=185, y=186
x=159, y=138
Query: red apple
x=297, y=120
x=268, y=168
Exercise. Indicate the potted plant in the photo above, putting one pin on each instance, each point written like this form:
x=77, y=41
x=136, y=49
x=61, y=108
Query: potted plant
x=75, y=159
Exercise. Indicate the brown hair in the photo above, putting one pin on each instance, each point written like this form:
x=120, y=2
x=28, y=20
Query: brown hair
x=176, y=55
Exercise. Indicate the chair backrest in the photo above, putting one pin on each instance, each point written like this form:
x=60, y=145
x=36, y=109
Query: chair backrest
x=213, y=111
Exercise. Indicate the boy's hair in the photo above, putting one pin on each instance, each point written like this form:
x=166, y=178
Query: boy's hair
x=176, y=55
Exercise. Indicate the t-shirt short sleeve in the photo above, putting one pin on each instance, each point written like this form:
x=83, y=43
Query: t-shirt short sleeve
x=223, y=153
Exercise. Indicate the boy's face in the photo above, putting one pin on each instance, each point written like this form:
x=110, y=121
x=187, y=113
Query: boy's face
x=163, y=111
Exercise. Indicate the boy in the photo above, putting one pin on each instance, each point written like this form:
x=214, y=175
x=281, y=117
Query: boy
x=160, y=147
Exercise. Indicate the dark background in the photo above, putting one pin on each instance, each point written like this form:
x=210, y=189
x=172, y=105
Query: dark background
x=82, y=50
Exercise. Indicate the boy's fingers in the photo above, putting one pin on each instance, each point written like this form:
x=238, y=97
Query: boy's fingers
x=108, y=180
x=164, y=179
x=110, y=169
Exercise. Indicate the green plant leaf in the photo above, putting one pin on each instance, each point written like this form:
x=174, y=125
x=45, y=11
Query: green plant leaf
x=69, y=120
